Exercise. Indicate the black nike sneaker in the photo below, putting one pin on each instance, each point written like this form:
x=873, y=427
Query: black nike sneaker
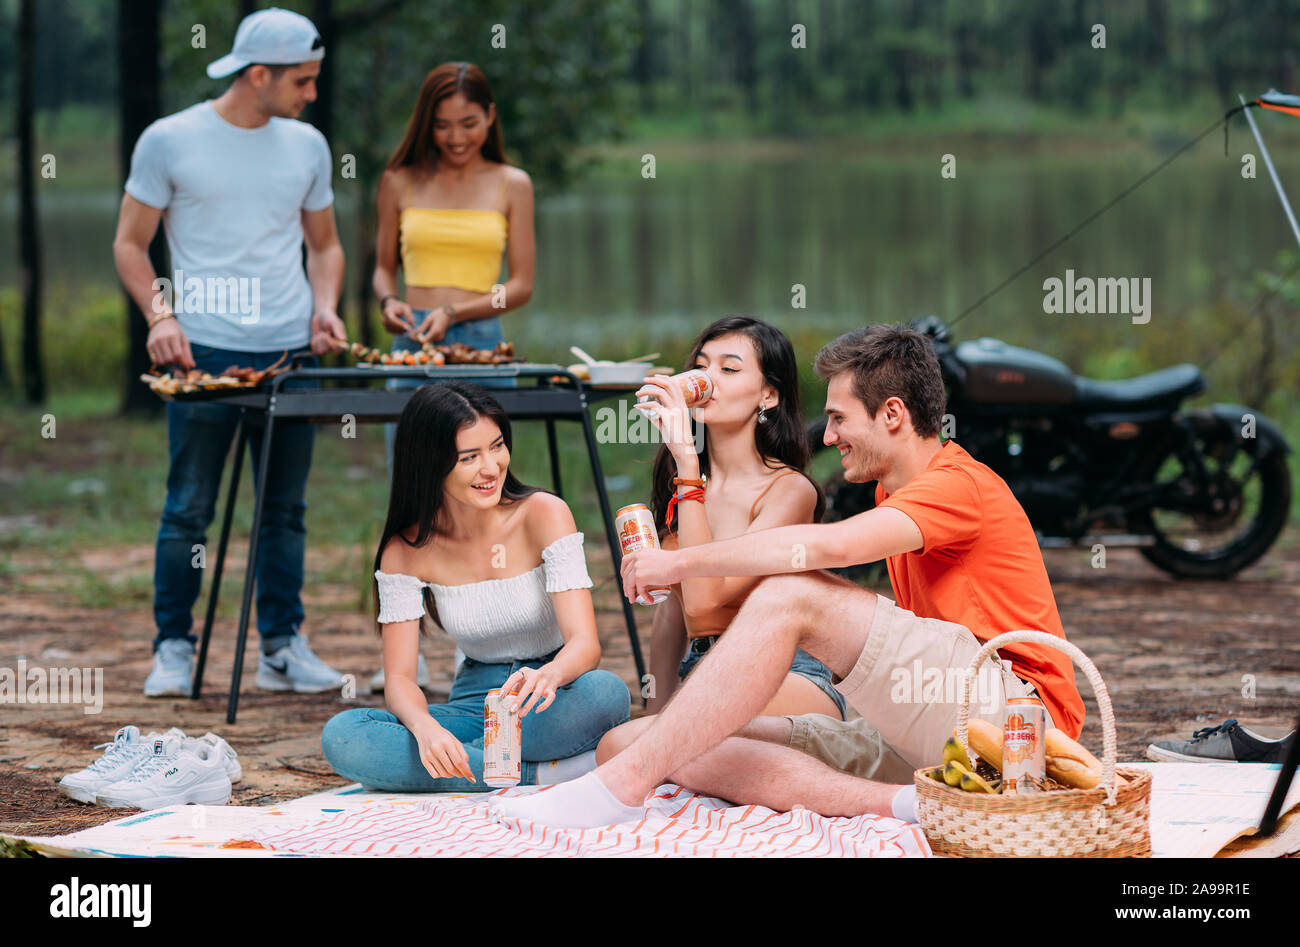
x=1229, y=742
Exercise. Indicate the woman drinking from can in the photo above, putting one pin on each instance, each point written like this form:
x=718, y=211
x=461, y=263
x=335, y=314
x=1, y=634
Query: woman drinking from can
x=741, y=472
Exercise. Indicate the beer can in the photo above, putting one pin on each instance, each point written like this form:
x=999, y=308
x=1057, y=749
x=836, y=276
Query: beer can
x=502, y=741
x=1024, y=765
x=636, y=531
x=696, y=387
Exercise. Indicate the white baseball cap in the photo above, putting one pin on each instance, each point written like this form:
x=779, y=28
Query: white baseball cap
x=271, y=37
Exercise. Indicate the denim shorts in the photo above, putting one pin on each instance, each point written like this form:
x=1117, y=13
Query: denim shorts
x=805, y=665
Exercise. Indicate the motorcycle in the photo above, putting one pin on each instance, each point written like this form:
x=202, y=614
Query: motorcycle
x=1201, y=493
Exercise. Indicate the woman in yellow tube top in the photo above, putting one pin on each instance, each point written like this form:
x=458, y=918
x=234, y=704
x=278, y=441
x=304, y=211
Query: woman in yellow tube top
x=449, y=208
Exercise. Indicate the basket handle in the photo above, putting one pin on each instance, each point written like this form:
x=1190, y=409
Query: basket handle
x=1079, y=658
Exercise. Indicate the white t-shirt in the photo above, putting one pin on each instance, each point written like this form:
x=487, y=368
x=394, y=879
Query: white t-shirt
x=232, y=200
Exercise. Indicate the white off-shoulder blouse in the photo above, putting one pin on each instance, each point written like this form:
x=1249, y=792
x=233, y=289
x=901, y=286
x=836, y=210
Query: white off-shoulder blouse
x=496, y=620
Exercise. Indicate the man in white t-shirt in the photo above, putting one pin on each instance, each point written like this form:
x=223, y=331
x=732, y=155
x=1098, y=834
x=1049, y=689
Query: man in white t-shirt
x=239, y=186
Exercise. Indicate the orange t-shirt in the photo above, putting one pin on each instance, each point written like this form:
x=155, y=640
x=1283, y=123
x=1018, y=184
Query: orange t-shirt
x=980, y=566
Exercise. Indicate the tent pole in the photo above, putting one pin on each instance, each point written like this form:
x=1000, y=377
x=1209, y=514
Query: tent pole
x=1272, y=172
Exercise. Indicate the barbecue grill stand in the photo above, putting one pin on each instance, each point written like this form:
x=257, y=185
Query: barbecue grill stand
x=546, y=401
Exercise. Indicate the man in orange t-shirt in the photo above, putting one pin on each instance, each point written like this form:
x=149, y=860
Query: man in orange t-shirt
x=965, y=567
x=979, y=566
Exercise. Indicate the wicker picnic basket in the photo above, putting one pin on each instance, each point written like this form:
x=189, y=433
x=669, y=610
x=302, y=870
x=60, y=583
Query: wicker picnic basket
x=1109, y=821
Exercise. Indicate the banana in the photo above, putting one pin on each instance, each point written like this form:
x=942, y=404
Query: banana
x=973, y=783
x=953, y=772
x=954, y=752
x=986, y=740
x=936, y=774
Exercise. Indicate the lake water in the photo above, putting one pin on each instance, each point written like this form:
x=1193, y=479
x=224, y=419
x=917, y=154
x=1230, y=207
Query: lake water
x=869, y=238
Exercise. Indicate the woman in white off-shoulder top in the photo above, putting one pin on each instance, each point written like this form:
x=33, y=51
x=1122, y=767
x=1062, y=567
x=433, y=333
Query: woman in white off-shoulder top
x=500, y=567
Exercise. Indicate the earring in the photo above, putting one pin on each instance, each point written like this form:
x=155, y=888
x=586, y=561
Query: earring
x=762, y=414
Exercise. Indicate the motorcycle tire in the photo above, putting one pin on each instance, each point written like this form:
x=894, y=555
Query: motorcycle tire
x=1245, y=550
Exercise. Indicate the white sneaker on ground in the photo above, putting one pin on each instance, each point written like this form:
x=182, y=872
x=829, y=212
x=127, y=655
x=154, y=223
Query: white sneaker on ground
x=127, y=750
x=227, y=754
x=295, y=667
x=173, y=669
x=173, y=775
x=421, y=676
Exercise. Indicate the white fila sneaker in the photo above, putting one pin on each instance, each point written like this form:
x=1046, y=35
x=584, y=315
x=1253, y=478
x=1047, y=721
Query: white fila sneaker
x=174, y=775
x=127, y=750
x=224, y=750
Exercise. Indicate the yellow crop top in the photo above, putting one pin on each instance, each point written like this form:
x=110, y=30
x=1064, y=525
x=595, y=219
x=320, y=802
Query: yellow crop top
x=453, y=246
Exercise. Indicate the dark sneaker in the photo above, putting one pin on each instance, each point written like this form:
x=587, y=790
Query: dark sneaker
x=1229, y=742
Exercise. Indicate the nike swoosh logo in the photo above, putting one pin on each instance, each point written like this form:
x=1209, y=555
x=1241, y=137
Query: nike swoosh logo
x=280, y=668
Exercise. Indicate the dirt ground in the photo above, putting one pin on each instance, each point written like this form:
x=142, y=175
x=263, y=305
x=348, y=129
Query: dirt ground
x=1176, y=655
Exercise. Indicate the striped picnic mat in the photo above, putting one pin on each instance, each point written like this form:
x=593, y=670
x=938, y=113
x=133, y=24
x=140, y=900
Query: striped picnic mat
x=676, y=821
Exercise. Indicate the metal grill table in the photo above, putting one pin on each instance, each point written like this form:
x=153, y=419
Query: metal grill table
x=557, y=396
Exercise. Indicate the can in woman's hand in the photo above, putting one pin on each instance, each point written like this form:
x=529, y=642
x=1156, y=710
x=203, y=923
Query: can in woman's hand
x=502, y=740
x=636, y=531
x=696, y=387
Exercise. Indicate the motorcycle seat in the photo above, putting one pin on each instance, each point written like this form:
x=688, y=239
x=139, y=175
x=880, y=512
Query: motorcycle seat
x=1165, y=388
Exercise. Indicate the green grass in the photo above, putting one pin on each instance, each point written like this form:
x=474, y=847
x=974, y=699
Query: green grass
x=989, y=119
x=16, y=850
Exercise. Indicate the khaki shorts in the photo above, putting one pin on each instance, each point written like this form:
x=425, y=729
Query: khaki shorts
x=906, y=685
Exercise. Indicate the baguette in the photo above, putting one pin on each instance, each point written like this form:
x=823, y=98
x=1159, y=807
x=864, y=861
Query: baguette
x=1069, y=763
x=986, y=741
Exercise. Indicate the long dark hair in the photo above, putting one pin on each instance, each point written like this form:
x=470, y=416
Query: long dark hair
x=781, y=441
x=417, y=149
x=424, y=453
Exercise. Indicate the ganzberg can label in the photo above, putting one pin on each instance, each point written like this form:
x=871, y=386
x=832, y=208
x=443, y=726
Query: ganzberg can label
x=636, y=531
x=696, y=387
x=1023, y=761
x=502, y=741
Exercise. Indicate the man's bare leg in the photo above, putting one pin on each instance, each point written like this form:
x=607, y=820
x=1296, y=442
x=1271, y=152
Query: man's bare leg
x=770, y=729
x=759, y=767
x=797, y=695
x=825, y=616
x=757, y=772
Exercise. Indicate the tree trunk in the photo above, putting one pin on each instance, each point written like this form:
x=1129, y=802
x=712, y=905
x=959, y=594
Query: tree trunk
x=745, y=41
x=322, y=110
x=140, y=96
x=967, y=59
x=643, y=63
x=29, y=238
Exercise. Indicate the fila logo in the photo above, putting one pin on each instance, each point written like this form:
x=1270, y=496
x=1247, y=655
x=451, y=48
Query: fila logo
x=157, y=747
x=171, y=772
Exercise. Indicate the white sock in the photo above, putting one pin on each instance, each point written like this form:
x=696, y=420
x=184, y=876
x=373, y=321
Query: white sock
x=904, y=804
x=561, y=771
x=583, y=803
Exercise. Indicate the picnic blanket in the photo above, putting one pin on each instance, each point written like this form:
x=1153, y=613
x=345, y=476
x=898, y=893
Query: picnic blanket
x=349, y=821
x=675, y=821
x=1196, y=809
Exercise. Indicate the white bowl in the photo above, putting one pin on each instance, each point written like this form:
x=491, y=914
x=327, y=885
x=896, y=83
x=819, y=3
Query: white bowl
x=619, y=373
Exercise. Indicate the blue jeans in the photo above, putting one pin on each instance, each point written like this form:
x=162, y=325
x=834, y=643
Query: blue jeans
x=199, y=436
x=805, y=665
x=479, y=334
x=372, y=747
